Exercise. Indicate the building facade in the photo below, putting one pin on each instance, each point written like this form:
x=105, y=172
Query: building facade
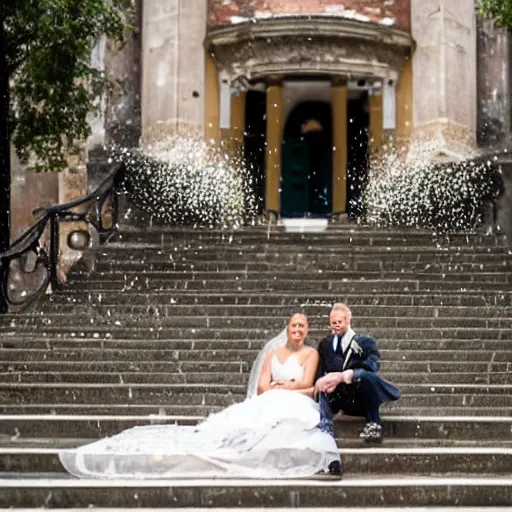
x=308, y=88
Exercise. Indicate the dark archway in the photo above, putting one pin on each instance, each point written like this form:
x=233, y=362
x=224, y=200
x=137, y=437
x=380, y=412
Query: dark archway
x=357, y=153
x=306, y=170
x=254, y=144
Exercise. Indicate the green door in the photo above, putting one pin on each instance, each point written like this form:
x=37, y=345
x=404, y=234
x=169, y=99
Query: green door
x=295, y=178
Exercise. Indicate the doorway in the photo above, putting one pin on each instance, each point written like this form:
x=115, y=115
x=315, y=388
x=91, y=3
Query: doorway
x=306, y=172
x=357, y=153
x=255, y=145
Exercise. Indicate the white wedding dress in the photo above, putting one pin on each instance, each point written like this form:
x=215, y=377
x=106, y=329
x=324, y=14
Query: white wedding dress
x=273, y=435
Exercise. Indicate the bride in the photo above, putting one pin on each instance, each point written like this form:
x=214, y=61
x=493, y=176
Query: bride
x=274, y=433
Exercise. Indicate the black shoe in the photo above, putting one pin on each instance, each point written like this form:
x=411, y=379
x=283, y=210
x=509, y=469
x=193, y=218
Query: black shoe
x=333, y=472
x=371, y=433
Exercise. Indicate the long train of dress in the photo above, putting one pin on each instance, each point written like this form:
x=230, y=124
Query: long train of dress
x=273, y=435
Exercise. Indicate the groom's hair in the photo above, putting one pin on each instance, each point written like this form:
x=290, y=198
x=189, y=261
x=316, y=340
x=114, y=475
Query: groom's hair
x=339, y=306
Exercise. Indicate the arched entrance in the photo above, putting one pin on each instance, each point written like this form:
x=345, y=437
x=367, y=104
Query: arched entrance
x=357, y=153
x=306, y=177
x=254, y=145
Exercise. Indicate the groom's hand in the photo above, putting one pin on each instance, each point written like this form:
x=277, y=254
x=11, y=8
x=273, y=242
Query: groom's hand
x=328, y=383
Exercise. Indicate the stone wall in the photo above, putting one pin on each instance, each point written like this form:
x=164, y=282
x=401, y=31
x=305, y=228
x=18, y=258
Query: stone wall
x=392, y=12
x=29, y=190
x=493, y=85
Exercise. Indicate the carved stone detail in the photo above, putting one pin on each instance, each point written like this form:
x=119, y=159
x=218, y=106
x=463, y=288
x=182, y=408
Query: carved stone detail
x=324, y=46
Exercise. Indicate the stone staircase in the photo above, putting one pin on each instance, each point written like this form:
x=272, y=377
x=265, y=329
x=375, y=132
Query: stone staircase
x=167, y=327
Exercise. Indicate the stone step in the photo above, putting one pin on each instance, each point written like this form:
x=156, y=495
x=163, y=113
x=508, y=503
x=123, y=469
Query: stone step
x=409, y=391
x=357, y=462
x=417, y=395
x=257, y=226
x=314, y=311
x=465, y=298
x=340, y=237
x=102, y=341
x=181, y=367
x=389, y=265
x=54, y=491
x=424, y=369
x=298, y=509
x=318, y=240
x=394, y=408
x=19, y=374
x=145, y=284
x=153, y=318
x=318, y=274
x=307, y=253
x=399, y=431
x=238, y=355
x=330, y=235
x=204, y=378
x=257, y=336
x=118, y=331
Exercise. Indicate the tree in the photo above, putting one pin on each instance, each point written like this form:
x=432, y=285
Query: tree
x=49, y=86
x=498, y=10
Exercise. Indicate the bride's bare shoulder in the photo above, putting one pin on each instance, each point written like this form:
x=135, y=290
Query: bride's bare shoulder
x=310, y=350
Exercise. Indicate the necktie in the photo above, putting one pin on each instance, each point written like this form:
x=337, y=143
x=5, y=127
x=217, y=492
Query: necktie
x=336, y=344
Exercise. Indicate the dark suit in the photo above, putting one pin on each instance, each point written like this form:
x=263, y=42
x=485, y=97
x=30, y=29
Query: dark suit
x=368, y=390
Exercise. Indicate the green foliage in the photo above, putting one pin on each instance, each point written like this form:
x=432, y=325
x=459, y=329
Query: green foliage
x=498, y=10
x=53, y=86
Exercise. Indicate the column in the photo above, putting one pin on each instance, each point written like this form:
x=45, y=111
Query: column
x=274, y=141
x=339, y=156
x=238, y=119
x=445, y=76
x=160, y=65
x=404, y=101
x=212, y=101
x=376, y=120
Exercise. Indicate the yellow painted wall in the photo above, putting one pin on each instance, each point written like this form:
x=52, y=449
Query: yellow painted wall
x=212, y=101
x=274, y=141
x=404, y=100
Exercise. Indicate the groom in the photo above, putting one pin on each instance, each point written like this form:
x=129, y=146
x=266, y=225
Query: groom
x=349, y=379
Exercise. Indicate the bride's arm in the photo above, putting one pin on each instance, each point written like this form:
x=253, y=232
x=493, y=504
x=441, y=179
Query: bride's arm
x=266, y=375
x=305, y=385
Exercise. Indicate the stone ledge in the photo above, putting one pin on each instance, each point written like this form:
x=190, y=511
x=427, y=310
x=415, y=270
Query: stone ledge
x=304, y=46
x=394, y=490
x=310, y=26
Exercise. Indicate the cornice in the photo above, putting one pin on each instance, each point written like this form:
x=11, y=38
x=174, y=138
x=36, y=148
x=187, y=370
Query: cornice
x=313, y=27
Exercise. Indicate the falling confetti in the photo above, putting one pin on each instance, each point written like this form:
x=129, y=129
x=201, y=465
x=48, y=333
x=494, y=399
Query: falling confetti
x=411, y=190
x=186, y=181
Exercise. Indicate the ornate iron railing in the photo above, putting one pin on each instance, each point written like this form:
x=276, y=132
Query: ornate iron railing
x=32, y=263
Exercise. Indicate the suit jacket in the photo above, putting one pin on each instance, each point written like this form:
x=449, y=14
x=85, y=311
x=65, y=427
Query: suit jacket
x=365, y=356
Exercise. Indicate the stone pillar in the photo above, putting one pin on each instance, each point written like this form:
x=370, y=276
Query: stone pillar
x=212, y=101
x=444, y=74
x=493, y=84
x=275, y=123
x=173, y=68
x=339, y=155
x=237, y=119
x=404, y=103
x=376, y=120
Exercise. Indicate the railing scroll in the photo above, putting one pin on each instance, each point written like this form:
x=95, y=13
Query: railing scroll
x=33, y=262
